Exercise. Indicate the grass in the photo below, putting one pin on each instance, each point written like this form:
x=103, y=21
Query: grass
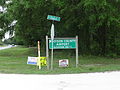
x=14, y=60
x=2, y=45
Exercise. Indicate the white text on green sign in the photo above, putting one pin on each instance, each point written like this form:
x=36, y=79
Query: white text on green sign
x=50, y=17
x=63, y=44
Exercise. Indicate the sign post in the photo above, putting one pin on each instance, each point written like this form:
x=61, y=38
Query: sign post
x=64, y=43
x=39, y=54
x=77, y=51
x=52, y=38
x=47, y=53
x=53, y=18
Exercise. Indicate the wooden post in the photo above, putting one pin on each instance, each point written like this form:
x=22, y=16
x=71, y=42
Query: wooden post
x=47, y=52
x=77, y=62
x=52, y=55
x=39, y=55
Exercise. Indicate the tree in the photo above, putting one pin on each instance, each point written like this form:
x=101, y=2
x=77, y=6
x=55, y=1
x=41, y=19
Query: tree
x=96, y=22
x=32, y=24
x=1, y=19
x=5, y=19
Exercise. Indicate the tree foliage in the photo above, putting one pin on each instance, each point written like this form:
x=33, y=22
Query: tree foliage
x=5, y=19
x=96, y=22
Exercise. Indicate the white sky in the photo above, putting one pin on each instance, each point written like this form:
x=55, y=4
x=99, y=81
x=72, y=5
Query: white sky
x=12, y=24
x=7, y=36
x=1, y=9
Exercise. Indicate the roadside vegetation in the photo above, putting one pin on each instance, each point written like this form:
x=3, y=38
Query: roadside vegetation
x=95, y=22
x=14, y=60
x=1, y=43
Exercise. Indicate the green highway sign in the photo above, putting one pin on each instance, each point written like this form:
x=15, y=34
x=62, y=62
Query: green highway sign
x=63, y=44
x=55, y=18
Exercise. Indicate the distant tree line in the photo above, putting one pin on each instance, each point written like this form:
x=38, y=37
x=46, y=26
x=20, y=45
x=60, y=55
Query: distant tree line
x=96, y=22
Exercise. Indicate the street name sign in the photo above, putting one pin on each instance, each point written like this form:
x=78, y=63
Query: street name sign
x=55, y=18
x=62, y=44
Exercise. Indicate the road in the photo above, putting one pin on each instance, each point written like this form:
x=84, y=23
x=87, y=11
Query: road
x=6, y=47
x=88, y=81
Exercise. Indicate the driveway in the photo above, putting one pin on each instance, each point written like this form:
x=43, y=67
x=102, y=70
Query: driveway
x=88, y=81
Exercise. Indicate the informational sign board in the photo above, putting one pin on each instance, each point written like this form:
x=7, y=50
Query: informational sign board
x=42, y=61
x=52, y=32
x=37, y=61
x=63, y=63
x=62, y=44
x=55, y=18
x=32, y=60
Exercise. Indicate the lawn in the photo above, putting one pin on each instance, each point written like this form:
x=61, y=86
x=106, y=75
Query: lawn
x=14, y=60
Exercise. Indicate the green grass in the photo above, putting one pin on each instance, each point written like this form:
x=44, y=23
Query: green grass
x=2, y=45
x=14, y=60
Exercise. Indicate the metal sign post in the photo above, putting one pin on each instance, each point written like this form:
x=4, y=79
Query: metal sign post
x=52, y=38
x=53, y=18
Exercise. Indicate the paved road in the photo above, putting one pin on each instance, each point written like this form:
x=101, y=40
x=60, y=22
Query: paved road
x=9, y=46
x=91, y=81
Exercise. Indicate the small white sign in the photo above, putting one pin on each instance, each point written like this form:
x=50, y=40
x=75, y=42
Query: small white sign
x=52, y=32
x=63, y=63
x=32, y=60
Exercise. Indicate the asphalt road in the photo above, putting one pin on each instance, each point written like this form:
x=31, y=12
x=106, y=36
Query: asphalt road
x=6, y=47
x=90, y=81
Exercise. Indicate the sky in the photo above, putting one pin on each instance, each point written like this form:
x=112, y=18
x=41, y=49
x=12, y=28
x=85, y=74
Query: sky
x=7, y=36
x=1, y=9
x=13, y=23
